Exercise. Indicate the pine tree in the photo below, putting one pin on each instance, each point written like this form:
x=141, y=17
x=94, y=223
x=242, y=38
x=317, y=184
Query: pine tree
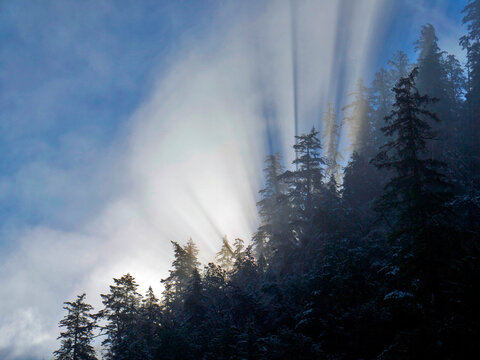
x=273, y=209
x=399, y=66
x=331, y=136
x=382, y=99
x=455, y=82
x=359, y=120
x=360, y=187
x=416, y=195
x=79, y=324
x=238, y=248
x=122, y=315
x=225, y=257
x=184, y=266
x=244, y=276
x=431, y=75
x=432, y=80
x=329, y=217
x=150, y=325
x=193, y=307
x=306, y=182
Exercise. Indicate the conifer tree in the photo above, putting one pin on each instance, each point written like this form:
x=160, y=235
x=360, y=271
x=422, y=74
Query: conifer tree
x=359, y=118
x=306, y=182
x=238, y=248
x=244, y=275
x=417, y=193
x=399, y=66
x=184, y=266
x=456, y=81
x=455, y=90
x=329, y=217
x=122, y=315
x=360, y=186
x=432, y=80
x=273, y=209
x=150, y=322
x=225, y=257
x=431, y=75
x=77, y=337
x=382, y=100
x=331, y=136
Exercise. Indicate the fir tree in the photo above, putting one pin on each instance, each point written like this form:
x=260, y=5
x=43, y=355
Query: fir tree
x=122, y=315
x=456, y=81
x=306, y=181
x=150, y=325
x=331, y=136
x=225, y=257
x=360, y=187
x=238, y=248
x=184, y=266
x=455, y=90
x=399, y=66
x=273, y=208
x=193, y=306
x=329, y=217
x=417, y=193
x=432, y=80
x=382, y=100
x=79, y=324
x=359, y=120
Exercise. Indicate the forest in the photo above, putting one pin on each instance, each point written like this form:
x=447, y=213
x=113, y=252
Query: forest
x=375, y=259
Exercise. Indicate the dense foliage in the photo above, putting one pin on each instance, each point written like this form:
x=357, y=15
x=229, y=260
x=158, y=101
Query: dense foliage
x=378, y=260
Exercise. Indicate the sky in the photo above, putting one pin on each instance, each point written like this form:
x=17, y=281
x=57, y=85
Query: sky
x=125, y=125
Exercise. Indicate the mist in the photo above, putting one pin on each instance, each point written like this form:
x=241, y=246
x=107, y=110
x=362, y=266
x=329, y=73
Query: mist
x=185, y=162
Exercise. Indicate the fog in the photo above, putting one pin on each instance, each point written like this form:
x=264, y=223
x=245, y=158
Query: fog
x=188, y=162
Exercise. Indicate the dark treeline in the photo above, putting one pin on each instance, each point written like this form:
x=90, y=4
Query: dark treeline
x=376, y=260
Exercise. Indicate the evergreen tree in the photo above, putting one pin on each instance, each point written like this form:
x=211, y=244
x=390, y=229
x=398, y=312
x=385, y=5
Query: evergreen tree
x=225, y=257
x=382, y=96
x=431, y=75
x=273, y=208
x=185, y=264
x=415, y=197
x=399, y=66
x=456, y=81
x=79, y=324
x=150, y=322
x=306, y=182
x=214, y=280
x=455, y=90
x=331, y=136
x=382, y=100
x=122, y=315
x=432, y=80
x=329, y=218
x=360, y=188
x=193, y=306
x=359, y=120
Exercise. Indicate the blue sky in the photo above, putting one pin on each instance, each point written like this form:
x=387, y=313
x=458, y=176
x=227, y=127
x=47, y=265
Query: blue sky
x=79, y=69
x=94, y=95
x=82, y=67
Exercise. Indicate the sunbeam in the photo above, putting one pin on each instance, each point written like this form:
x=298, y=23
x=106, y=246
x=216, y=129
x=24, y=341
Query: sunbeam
x=125, y=129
